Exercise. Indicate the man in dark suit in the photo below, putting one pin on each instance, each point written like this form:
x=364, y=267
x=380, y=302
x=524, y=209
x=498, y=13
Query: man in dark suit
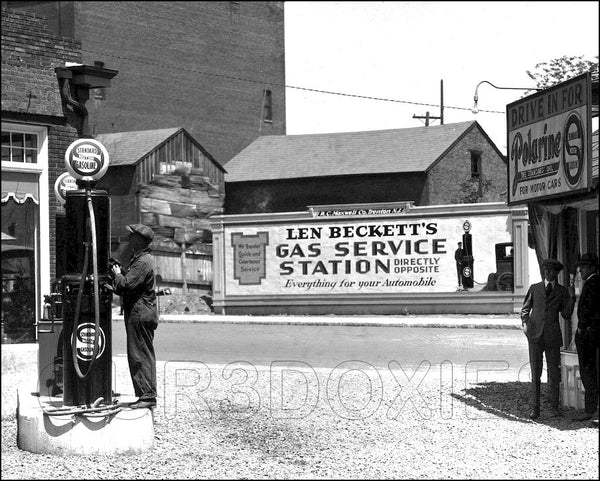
x=539, y=315
x=587, y=335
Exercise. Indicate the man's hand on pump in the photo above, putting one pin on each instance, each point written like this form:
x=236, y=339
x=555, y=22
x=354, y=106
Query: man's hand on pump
x=115, y=267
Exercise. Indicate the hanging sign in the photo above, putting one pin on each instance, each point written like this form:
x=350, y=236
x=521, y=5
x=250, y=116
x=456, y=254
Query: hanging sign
x=549, y=142
x=64, y=183
x=86, y=159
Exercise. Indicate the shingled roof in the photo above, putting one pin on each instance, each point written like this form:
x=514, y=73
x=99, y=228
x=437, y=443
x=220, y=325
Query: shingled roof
x=372, y=152
x=129, y=148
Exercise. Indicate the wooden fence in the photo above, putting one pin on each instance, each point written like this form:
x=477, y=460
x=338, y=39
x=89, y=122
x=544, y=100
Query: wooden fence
x=185, y=270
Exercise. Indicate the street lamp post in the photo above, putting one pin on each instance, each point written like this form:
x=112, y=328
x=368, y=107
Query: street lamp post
x=475, y=108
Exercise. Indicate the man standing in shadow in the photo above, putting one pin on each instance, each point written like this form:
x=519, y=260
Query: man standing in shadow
x=539, y=316
x=587, y=337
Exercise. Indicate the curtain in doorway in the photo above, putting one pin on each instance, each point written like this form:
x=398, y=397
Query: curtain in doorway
x=544, y=227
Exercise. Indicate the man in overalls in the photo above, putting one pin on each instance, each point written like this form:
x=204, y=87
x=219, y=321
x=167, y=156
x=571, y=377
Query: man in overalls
x=136, y=287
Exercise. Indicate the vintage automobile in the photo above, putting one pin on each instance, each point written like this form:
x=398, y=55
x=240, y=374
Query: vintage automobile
x=504, y=266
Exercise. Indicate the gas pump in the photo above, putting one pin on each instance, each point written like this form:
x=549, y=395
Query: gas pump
x=467, y=270
x=87, y=301
x=85, y=289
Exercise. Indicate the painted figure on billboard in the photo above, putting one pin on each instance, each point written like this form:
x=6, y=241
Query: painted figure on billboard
x=458, y=257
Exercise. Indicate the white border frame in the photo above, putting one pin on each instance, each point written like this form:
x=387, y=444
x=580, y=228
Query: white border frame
x=41, y=168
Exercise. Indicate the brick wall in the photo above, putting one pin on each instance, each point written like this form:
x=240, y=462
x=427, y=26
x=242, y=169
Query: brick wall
x=30, y=93
x=445, y=177
x=180, y=65
x=29, y=56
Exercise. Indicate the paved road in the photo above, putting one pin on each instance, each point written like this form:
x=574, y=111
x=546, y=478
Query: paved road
x=327, y=346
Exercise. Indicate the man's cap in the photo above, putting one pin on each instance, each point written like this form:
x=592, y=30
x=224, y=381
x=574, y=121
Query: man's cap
x=553, y=263
x=142, y=230
x=589, y=259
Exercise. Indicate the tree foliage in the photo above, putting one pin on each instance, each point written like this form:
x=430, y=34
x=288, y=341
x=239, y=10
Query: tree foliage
x=473, y=191
x=547, y=74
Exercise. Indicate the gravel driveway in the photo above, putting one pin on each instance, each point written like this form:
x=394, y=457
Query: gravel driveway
x=354, y=421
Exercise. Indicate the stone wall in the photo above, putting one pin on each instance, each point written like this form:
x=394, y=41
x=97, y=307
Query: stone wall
x=445, y=178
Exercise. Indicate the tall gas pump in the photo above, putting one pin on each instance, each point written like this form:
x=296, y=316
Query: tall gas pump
x=86, y=294
x=467, y=271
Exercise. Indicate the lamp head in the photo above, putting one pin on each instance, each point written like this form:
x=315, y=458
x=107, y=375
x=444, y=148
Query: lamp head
x=475, y=108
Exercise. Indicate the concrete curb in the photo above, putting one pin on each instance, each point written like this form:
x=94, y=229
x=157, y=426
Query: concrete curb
x=465, y=322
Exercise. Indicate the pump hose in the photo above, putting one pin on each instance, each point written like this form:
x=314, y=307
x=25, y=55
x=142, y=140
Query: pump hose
x=95, y=410
x=90, y=412
x=92, y=221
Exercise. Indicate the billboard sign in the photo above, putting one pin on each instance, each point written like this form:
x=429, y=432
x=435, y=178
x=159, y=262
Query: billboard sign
x=549, y=142
x=351, y=256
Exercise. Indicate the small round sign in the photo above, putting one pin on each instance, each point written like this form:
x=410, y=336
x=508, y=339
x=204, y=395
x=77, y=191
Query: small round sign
x=86, y=334
x=64, y=183
x=86, y=159
x=466, y=226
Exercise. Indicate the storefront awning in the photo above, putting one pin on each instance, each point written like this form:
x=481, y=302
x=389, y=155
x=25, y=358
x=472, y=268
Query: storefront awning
x=19, y=187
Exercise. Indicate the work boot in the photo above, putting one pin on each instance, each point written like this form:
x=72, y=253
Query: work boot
x=143, y=403
x=535, y=413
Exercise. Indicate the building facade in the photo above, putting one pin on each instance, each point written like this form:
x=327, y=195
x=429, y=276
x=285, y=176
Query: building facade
x=216, y=69
x=36, y=131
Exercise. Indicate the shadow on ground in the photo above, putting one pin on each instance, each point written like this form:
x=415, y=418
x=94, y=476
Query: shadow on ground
x=510, y=400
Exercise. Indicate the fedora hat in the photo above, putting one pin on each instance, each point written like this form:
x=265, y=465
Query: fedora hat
x=589, y=259
x=553, y=263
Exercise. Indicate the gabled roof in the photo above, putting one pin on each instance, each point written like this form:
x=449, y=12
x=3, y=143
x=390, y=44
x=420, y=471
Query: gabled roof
x=347, y=153
x=128, y=148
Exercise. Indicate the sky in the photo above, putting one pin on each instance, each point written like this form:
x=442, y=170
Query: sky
x=403, y=50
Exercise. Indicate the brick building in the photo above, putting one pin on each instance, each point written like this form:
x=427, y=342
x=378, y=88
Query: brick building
x=435, y=165
x=216, y=69
x=36, y=131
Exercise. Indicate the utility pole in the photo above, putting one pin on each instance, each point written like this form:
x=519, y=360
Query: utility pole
x=442, y=102
x=428, y=117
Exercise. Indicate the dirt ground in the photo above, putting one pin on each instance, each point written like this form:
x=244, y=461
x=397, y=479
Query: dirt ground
x=176, y=304
x=180, y=304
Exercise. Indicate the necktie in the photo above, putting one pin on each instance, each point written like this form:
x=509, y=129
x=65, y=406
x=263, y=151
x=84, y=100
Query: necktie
x=548, y=289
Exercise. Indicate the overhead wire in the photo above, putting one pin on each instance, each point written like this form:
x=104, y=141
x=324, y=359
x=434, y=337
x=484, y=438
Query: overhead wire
x=262, y=82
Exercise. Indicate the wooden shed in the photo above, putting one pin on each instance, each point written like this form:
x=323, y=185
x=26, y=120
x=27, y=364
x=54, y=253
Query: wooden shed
x=165, y=179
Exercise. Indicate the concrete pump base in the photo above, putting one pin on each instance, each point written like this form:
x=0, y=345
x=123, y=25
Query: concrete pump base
x=130, y=431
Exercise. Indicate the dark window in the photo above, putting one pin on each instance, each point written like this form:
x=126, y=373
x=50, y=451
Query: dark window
x=267, y=107
x=476, y=173
x=475, y=165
